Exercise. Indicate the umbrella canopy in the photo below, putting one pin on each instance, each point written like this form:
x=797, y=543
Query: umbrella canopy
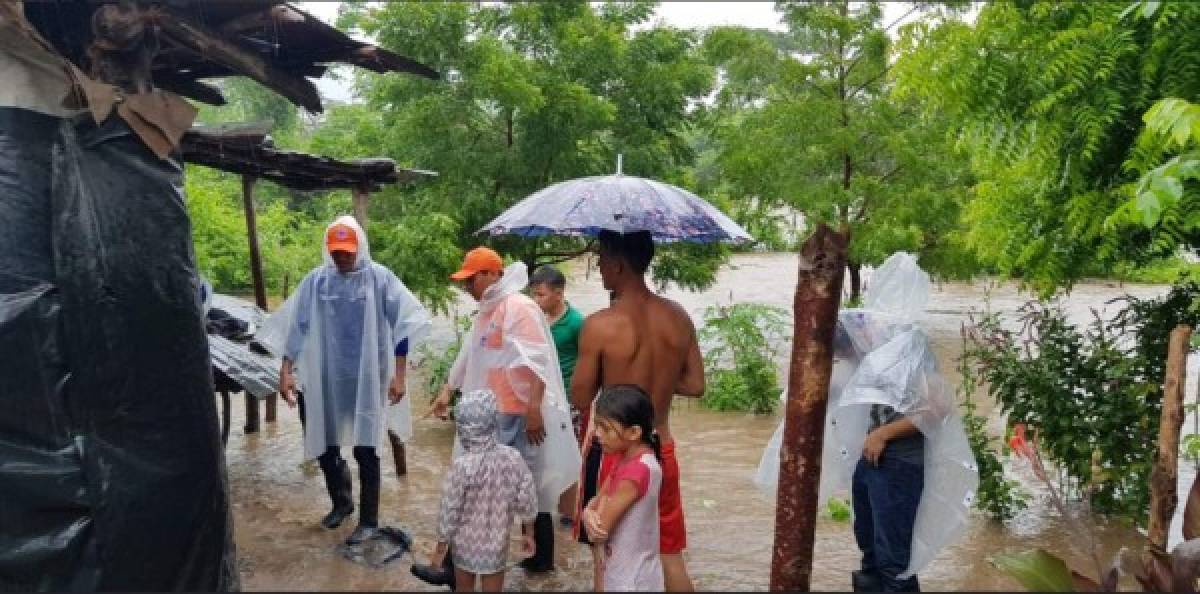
x=586, y=206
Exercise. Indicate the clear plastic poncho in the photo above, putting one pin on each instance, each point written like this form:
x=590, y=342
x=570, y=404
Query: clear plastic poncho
x=887, y=359
x=526, y=350
x=341, y=335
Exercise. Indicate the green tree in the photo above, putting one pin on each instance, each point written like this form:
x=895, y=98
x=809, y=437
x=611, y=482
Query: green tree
x=535, y=92
x=1166, y=199
x=806, y=121
x=1050, y=98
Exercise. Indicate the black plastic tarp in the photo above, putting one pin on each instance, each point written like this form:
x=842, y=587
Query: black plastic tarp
x=112, y=474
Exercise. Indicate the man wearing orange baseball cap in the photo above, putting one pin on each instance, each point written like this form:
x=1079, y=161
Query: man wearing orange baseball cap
x=342, y=318
x=481, y=268
x=510, y=352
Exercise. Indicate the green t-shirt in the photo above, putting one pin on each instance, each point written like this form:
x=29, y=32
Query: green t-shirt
x=566, y=341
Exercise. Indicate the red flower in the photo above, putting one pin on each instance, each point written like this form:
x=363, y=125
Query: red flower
x=1019, y=445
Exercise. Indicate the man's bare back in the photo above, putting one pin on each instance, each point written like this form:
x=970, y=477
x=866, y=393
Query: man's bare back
x=648, y=341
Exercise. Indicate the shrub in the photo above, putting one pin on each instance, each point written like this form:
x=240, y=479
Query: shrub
x=1094, y=393
x=743, y=340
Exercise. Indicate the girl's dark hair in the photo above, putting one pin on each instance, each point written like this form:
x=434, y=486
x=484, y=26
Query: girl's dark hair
x=630, y=406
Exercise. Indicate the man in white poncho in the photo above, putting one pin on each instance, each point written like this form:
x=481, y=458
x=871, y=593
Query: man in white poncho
x=892, y=434
x=348, y=330
x=510, y=351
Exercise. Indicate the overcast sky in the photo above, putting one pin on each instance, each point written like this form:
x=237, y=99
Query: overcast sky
x=678, y=14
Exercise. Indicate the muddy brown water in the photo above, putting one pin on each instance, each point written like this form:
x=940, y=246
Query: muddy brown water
x=277, y=504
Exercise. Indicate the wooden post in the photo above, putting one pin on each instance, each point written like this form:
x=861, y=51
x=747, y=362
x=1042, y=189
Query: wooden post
x=256, y=273
x=398, y=454
x=361, y=198
x=252, y=422
x=815, y=307
x=1164, y=475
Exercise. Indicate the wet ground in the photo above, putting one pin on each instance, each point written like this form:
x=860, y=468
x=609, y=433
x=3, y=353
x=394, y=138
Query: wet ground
x=730, y=523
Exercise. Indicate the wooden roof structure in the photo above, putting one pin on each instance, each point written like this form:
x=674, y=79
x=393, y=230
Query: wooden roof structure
x=248, y=150
x=271, y=41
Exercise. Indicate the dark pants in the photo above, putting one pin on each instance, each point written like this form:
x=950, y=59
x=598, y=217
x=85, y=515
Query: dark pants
x=885, y=499
x=337, y=477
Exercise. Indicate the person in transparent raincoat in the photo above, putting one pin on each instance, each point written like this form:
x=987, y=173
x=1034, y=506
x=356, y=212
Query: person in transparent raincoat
x=510, y=351
x=346, y=334
x=893, y=435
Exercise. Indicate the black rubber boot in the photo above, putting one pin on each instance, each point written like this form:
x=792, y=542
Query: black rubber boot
x=543, y=537
x=369, y=484
x=862, y=581
x=339, y=485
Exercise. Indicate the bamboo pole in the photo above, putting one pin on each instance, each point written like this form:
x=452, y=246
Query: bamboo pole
x=1165, y=474
x=818, y=295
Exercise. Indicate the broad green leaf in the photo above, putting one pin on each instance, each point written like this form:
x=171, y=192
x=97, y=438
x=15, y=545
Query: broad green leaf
x=1151, y=208
x=1036, y=570
x=1168, y=188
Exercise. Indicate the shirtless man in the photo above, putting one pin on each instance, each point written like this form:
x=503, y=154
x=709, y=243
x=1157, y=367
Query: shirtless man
x=649, y=341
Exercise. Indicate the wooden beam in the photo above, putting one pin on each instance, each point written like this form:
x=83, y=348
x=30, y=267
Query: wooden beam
x=216, y=47
x=815, y=307
x=260, y=290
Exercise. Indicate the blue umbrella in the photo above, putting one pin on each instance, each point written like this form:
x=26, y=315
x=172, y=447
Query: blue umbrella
x=586, y=206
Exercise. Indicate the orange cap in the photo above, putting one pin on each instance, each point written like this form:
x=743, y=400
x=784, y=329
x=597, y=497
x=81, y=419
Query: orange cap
x=341, y=238
x=478, y=260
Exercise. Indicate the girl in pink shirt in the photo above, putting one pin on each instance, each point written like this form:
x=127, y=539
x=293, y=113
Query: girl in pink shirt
x=622, y=520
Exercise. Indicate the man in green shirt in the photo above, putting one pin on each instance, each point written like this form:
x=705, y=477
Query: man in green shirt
x=547, y=286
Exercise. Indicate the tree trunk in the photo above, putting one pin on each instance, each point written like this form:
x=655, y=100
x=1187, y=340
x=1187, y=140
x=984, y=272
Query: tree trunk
x=1165, y=474
x=818, y=294
x=855, y=280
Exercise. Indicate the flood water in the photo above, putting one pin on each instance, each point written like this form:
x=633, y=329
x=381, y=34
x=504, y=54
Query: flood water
x=277, y=505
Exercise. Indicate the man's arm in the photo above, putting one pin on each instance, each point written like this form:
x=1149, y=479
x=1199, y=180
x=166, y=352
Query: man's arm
x=691, y=380
x=878, y=439
x=397, y=389
x=534, y=429
x=586, y=380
